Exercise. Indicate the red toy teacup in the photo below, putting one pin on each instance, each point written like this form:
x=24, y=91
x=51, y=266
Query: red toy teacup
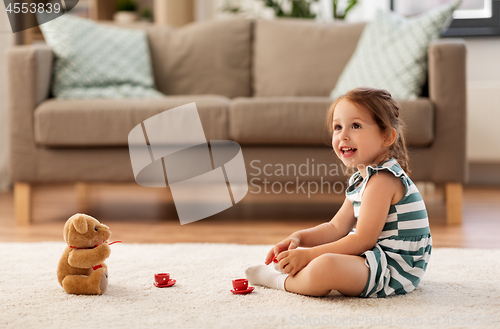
x=162, y=278
x=240, y=284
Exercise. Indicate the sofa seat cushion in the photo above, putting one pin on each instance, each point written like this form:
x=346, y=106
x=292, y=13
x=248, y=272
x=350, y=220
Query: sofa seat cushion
x=102, y=122
x=302, y=121
x=279, y=120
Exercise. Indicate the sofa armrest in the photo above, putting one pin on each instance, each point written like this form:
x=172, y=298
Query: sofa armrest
x=44, y=59
x=447, y=91
x=28, y=74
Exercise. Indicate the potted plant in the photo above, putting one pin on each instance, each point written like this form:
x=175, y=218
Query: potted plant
x=146, y=15
x=289, y=8
x=299, y=8
x=126, y=11
x=293, y=8
x=337, y=14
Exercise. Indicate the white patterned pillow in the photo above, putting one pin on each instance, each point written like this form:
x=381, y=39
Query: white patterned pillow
x=97, y=61
x=392, y=53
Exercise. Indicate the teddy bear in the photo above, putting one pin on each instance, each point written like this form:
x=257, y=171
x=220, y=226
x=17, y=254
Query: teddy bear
x=81, y=269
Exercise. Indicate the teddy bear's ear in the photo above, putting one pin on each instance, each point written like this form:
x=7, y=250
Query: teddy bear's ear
x=80, y=224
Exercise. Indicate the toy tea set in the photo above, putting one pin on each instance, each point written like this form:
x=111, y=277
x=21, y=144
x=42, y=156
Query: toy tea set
x=162, y=280
x=81, y=269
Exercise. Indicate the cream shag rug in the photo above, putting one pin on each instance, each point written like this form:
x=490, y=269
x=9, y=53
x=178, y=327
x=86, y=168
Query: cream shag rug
x=460, y=289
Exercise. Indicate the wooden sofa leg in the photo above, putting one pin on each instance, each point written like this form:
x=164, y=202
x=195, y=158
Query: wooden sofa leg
x=22, y=203
x=82, y=197
x=453, y=195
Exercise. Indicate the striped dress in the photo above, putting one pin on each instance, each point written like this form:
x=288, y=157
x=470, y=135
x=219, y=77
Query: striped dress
x=401, y=254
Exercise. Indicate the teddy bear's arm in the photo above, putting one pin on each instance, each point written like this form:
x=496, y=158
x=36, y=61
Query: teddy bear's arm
x=86, y=258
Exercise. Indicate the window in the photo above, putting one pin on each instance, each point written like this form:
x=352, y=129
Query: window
x=473, y=18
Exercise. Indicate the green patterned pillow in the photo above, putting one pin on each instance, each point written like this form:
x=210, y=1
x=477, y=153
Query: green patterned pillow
x=392, y=53
x=97, y=61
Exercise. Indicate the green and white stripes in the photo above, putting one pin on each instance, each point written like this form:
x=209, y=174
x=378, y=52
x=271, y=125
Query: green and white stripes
x=400, y=257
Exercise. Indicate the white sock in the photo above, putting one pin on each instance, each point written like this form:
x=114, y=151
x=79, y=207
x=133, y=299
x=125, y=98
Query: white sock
x=266, y=276
x=277, y=267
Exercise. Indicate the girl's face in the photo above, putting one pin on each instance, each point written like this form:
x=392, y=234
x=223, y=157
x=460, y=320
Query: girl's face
x=357, y=139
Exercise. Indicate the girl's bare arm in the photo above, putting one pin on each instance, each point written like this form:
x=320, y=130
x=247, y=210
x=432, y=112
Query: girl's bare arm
x=340, y=225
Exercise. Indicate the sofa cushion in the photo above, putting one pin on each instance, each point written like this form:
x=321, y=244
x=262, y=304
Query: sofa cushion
x=101, y=122
x=203, y=58
x=294, y=57
x=392, y=53
x=302, y=121
x=279, y=120
x=418, y=115
x=98, y=61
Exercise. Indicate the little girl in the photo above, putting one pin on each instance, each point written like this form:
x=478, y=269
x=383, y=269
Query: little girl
x=389, y=251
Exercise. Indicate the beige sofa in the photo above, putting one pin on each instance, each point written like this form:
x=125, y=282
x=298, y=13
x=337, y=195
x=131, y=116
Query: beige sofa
x=263, y=84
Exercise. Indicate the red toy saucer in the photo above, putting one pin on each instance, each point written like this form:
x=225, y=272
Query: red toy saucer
x=243, y=292
x=170, y=283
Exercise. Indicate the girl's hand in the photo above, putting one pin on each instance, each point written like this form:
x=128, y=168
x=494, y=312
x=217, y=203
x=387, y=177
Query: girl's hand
x=292, y=261
x=292, y=242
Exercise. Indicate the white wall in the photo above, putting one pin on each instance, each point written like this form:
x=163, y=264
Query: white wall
x=483, y=104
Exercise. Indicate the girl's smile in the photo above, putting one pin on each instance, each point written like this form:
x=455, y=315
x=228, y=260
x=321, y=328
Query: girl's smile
x=347, y=151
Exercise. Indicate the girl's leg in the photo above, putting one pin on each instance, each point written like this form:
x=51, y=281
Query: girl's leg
x=345, y=273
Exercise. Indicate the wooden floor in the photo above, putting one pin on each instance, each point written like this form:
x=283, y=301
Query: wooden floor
x=145, y=215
